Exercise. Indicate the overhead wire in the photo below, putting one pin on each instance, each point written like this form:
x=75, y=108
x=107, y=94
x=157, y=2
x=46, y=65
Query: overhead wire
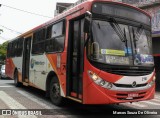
x=10, y=29
x=21, y=11
x=25, y=11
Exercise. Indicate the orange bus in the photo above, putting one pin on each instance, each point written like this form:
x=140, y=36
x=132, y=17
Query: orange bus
x=95, y=52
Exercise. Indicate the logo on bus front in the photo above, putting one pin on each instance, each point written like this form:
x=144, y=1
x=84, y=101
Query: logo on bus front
x=134, y=84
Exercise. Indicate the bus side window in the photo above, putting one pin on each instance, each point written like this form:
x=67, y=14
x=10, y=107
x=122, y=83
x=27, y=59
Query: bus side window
x=38, y=42
x=48, y=43
x=20, y=47
x=55, y=38
x=14, y=46
x=8, y=50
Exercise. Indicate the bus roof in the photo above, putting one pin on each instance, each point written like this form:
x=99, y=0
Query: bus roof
x=83, y=4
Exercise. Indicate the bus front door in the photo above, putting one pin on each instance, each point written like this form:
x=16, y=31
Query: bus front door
x=75, y=59
x=26, y=60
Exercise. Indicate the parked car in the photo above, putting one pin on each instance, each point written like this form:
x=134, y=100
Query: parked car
x=2, y=72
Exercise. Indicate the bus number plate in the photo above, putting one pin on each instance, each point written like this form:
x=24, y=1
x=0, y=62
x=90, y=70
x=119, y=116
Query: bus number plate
x=132, y=95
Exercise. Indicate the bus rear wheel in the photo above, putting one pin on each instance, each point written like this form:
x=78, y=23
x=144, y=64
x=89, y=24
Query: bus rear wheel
x=17, y=84
x=55, y=93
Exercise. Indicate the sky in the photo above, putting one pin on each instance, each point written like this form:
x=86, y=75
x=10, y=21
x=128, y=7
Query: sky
x=14, y=22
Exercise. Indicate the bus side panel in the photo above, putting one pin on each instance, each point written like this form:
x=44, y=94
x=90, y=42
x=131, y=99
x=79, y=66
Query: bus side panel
x=18, y=65
x=40, y=67
x=52, y=58
x=37, y=71
x=10, y=66
x=90, y=90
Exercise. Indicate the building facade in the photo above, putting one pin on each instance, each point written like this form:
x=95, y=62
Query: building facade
x=60, y=7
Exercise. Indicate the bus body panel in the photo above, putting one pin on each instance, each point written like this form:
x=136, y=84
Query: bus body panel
x=18, y=66
x=60, y=71
x=96, y=95
x=10, y=67
x=38, y=70
x=106, y=96
x=42, y=65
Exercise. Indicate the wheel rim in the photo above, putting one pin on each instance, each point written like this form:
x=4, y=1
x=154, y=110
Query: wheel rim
x=55, y=91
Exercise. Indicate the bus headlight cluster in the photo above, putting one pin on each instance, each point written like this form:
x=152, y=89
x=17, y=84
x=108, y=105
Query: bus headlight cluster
x=152, y=82
x=99, y=81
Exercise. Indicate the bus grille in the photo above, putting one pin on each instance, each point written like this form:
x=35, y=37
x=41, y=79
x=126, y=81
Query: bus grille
x=129, y=85
x=128, y=72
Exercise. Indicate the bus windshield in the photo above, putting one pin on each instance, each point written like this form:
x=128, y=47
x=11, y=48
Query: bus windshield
x=120, y=44
x=142, y=46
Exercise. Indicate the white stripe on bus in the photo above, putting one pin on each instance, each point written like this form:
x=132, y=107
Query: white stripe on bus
x=12, y=104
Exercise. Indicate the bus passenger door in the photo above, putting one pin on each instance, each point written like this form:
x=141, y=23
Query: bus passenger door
x=26, y=60
x=75, y=59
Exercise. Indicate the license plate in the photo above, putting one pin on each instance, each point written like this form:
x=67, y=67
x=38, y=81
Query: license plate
x=132, y=95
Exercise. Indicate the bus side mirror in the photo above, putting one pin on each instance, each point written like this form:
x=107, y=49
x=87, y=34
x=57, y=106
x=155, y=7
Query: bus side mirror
x=95, y=50
x=87, y=22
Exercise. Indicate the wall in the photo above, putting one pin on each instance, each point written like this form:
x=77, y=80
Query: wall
x=155, y=14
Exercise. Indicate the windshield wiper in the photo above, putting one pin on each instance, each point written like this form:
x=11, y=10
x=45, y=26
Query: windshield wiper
x=136, y=36
x=134, y=40
x=138, y=32
x=120, y=33
x=117, y=29
x=126, y=43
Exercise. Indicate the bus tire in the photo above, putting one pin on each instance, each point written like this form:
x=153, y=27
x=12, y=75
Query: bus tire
x=55, y=93
x=17, y=84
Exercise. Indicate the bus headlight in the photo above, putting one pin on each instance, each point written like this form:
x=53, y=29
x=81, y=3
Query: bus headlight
x=108, y=85
x=99, y=81
x=154, y=78
x=152, y=82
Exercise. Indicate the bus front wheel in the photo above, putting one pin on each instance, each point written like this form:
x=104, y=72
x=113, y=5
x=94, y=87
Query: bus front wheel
x=55, y=93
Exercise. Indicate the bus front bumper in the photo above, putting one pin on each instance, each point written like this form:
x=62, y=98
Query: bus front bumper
x=97, y=95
